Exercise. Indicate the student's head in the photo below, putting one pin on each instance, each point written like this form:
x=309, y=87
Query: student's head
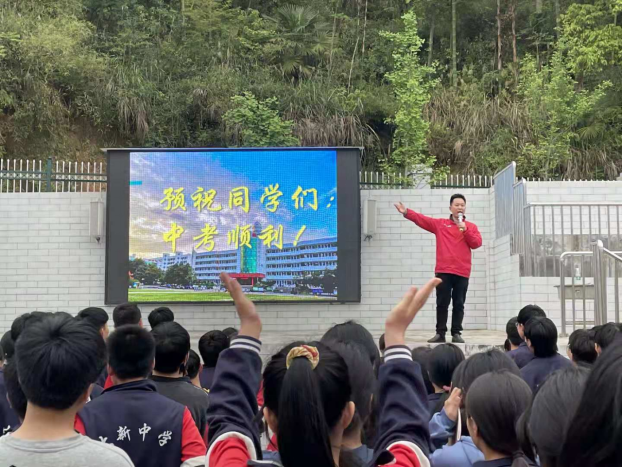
x=307, y=408
x=131, y=353
x=127, y=313
x=20, y=323
x=525, y=314
x=381, y=344
x=511, y=329
x=230, y=333
x=541, y=337
x=14, y=393
x=8, y=346
x=543, y=426
x=457, y=204
x=160, y=315
x=604, y=335
x=362, y=382
x=421, y=355
x=442, y=362
x=193, y=366
x=211, y=344
x=594, y=433
x=494, y=404
x=351, y=331
x=581, y=349
x=172, y=345
x=96, y=317
x=58, y=358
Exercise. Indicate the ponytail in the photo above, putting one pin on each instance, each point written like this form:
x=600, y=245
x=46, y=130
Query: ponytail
x=308, y=400
x=302, y=430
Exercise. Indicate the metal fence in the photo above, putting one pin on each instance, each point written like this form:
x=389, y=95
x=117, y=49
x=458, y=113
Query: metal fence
x=504, y=200
x=373, y=180
x=33, y=176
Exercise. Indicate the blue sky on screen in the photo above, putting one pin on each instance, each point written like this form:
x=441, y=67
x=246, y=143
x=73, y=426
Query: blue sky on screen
x=152, y=173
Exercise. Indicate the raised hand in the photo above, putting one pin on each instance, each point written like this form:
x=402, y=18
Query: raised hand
x=452, y=404
x=250, y=323
x=401, y=208
x=405, y=311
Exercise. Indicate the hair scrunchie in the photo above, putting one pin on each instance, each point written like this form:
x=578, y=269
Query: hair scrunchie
x=310, y=353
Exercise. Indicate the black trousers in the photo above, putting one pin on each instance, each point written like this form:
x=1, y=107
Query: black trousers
x=454, y=288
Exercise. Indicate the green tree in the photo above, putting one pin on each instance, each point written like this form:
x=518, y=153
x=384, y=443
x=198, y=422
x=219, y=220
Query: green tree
x=328, y=281
x=180, y=274
x=412, y=86
x=148, y=274
x=255, y=123
x=135, y=264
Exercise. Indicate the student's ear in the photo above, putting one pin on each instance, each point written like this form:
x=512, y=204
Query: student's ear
x=569, y=353
x=152, y=365
x=528, y=342
x=270, y=418
x=473, y=430
x=84, y=398
x=140, y=322
x=598, y=348
x=347, y=415
x=186, y=359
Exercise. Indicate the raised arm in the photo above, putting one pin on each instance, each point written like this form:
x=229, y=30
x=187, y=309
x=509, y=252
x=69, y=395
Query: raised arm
x=426, y=223
x=404, y=438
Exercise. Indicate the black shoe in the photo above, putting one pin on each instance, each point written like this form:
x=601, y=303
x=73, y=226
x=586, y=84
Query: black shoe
x=438, y=339
x=457, y=339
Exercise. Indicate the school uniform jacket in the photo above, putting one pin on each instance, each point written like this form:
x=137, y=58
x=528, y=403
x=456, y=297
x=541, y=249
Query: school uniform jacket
x=521, y=356
x=537, y=370
x=403, y=424
x=153, y=430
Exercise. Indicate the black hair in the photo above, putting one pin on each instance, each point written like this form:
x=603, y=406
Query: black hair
x=594, y=433
x=544, y=424
x=506, y=345
x=131, y=352
x=211, y=344
x=14, y=391
x=230, y=333
x=456, y=196
x=443, y=360
x=57, y=359
x=381, y=344
x=160, y=315
x=126, y=313
x=1, y=354
x=542, y=333
x=172, y=343
x=528, y=312
x=512, y=331
x=351, y=331
x=475, y=366
x=362, y=381
x=193, y=365
x=306, y=401
x=421, y=355
x=581, y=346
x=95, y=316
x=20, y=323
x=495, y=402
x=605, y=334
x=8, y=345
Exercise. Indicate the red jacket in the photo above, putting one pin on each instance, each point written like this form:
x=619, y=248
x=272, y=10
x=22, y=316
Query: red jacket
x=453, y=247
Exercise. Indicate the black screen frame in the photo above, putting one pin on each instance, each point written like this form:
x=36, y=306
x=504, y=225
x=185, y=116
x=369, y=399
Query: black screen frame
x=348, y=224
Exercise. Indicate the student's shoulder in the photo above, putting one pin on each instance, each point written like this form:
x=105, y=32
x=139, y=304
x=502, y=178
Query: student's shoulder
x=105, y=454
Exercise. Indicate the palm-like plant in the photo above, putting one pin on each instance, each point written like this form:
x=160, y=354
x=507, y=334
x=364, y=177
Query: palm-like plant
x=304, y=38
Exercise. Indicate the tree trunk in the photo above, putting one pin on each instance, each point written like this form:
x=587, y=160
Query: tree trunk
x=454, y=58
x=364, y=30
x=514, y=49
x=499, y=59
x=538, y=6
x=431, y=40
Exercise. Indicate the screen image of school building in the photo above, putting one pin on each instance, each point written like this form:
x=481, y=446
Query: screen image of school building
x=293, y=271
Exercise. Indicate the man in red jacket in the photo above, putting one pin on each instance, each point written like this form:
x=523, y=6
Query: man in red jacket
x=455, y=238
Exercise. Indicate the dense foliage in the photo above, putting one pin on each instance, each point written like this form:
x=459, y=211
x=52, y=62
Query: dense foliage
x=465, y=84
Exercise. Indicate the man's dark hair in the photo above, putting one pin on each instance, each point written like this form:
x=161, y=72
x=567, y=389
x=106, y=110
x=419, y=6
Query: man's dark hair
x=57, y=359
x=14, y=391
x=20, y=323
x=582, y=347
x=211, y=344
x=193, y=365
x=160, y=315
x=231, y=333
x=382, y=344
x=455, y=197
x=172, y=345
x=126, y=313
x=528, y=312
x=95, y=316
x=8, y=345
x=351, y=331
x=512, y=331
x=605, y=334
x=442, y=362
x=542, y=333
x=131, y=351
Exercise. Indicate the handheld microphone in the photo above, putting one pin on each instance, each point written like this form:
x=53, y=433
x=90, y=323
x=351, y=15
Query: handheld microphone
x=461, y=220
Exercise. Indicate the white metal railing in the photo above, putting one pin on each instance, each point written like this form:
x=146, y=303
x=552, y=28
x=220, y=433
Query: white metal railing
x=504, y=200
x=375, y=180
x=603, y=264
